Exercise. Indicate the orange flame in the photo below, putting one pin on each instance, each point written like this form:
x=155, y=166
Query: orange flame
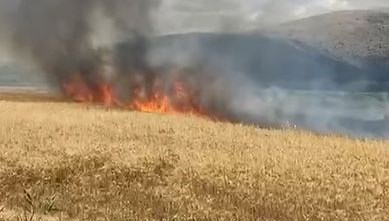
x=78, y=90
x=106, y=95
x=179, y=99
x=158, y=103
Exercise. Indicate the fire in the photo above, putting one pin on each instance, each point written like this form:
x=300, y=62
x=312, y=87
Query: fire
x=178, y=98
x=107, y=95
x=158, y=103
x=79, y=91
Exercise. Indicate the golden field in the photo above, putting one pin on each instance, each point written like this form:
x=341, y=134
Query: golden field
x=64, y=161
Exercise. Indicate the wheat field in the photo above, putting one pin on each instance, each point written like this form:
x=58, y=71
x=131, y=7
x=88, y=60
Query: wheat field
x=66, y=161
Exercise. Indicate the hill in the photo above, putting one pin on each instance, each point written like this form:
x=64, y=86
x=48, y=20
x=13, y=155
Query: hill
x=356, y=34
x=265, y=61
x=70, y=162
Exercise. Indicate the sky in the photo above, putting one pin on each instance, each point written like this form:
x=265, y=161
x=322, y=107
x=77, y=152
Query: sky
x=187, y=15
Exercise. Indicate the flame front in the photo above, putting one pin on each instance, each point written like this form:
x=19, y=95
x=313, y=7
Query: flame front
x=157, y=104
x=179, y=99
x=79, y=91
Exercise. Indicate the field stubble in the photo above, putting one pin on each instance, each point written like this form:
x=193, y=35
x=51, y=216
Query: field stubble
x=64, y=161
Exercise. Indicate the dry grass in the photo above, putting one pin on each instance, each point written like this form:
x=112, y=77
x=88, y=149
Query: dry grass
x=62, y=161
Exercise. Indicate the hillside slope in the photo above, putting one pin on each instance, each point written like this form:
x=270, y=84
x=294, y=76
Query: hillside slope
x=356, y=34
x=71, y=162
x=266, y=61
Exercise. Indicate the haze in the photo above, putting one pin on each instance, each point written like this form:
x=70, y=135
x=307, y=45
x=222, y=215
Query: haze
x=203, y=15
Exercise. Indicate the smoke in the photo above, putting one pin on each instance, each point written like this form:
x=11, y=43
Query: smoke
x=57, y=34
x=240, y=77
x=273, y=82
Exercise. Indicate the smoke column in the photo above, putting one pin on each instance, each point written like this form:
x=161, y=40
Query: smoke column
x=56, y=34
x=240, y=77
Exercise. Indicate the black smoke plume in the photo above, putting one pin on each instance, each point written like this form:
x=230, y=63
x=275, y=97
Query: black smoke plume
x=242, y=77
x=57, y=34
